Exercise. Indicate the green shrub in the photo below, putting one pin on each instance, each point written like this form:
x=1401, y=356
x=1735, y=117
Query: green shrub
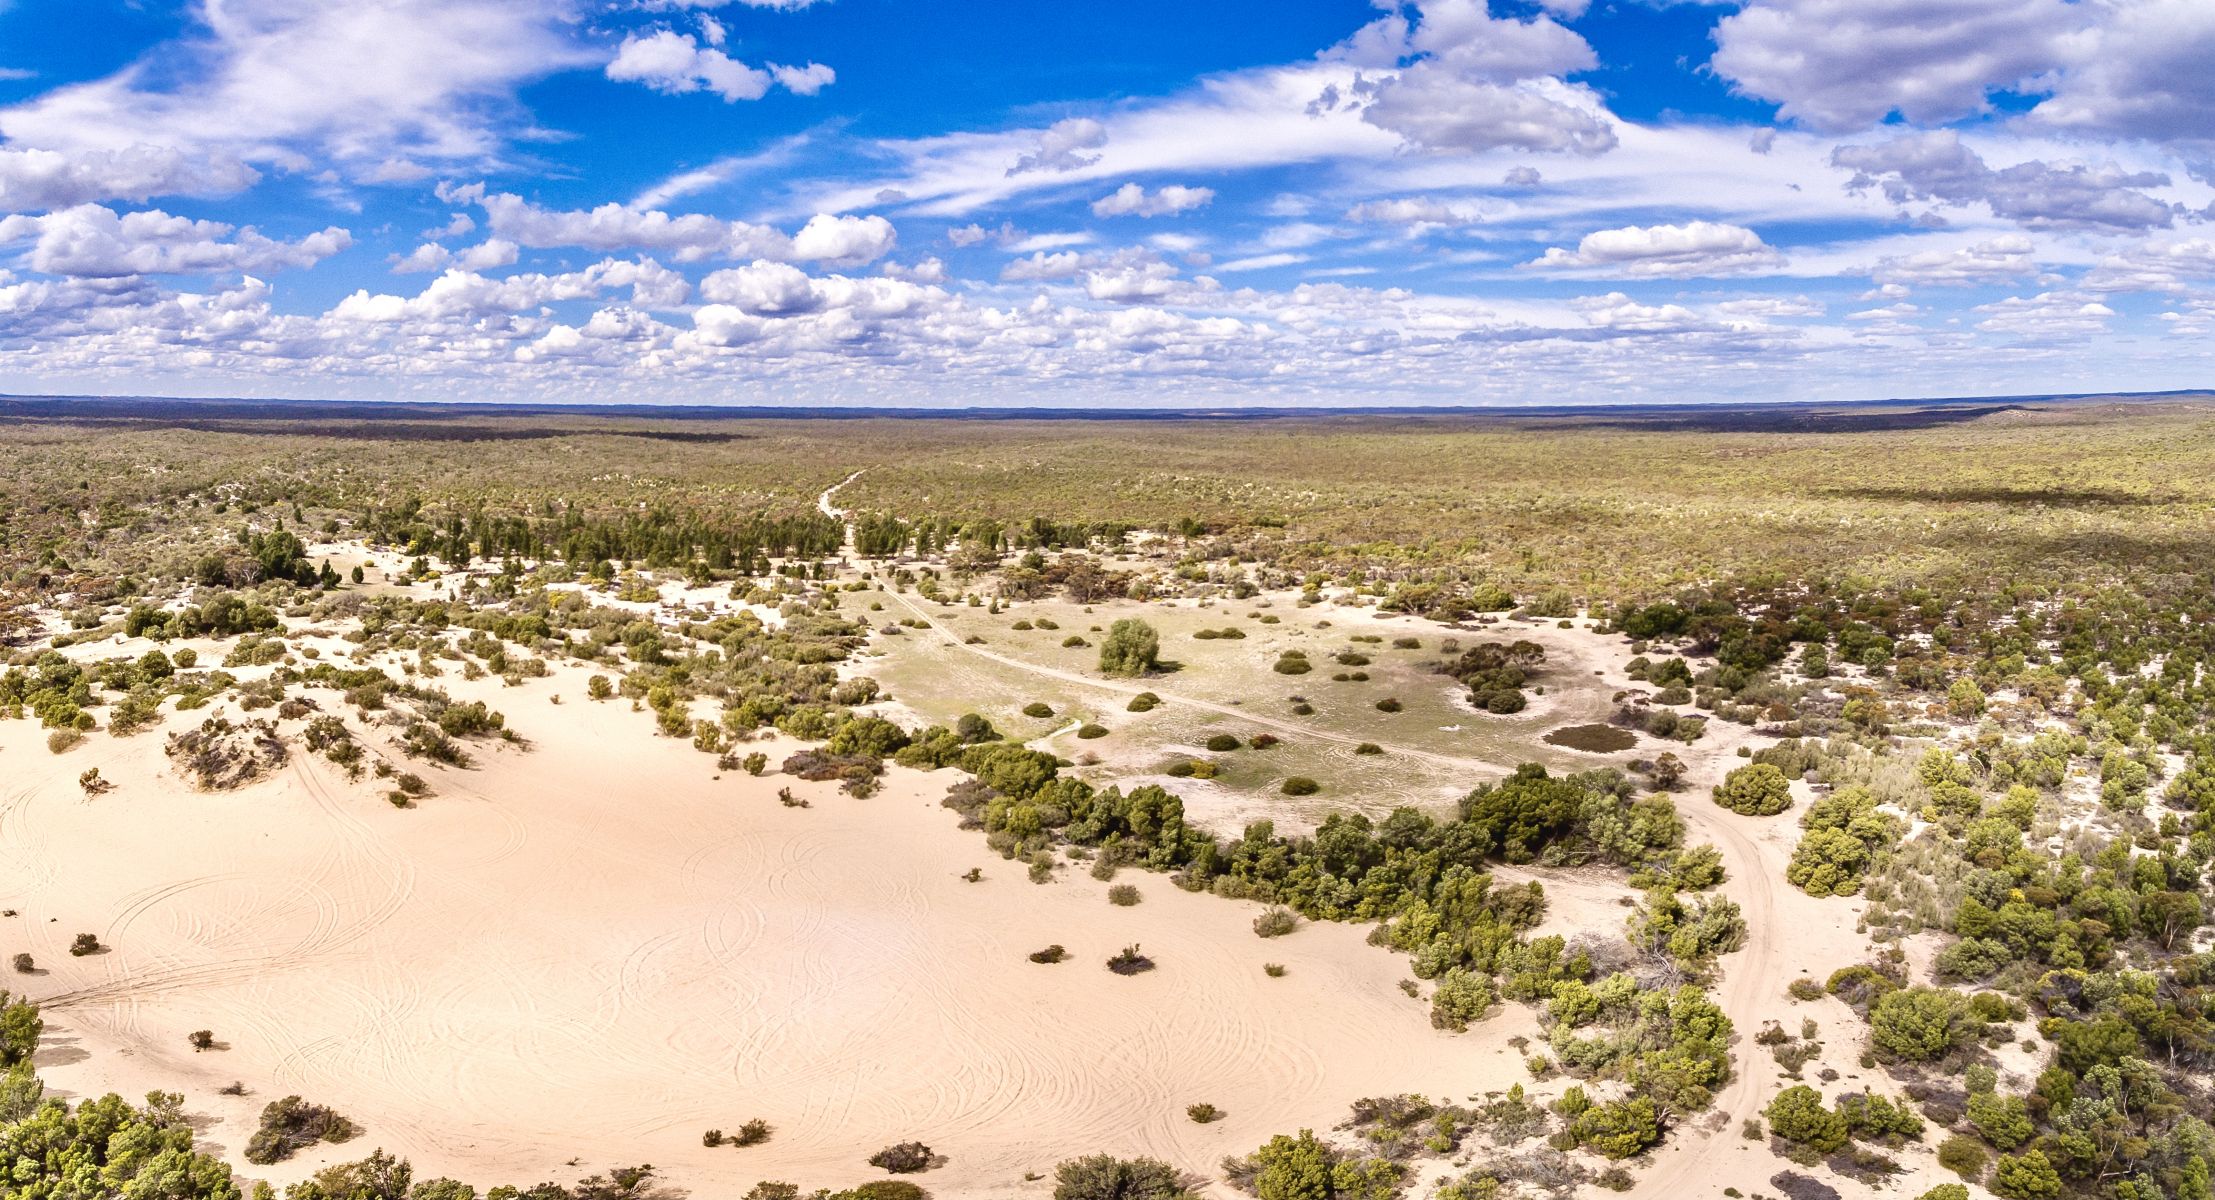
x=1755, y=790
x=1123, y=895
x=2025, y=1176
x=1299, y=785
x=1798, y=1115
x=1919, y=1024
x=292, y=1124
x=1962, y=1155
x=1143, y=702
x=1460, y=998
x=1104, y=1177
x=1222, y=742
x=1089, y=731
x=1618, y=1128
x=1276, y=921
x=1038, y=708
x=1131, y=647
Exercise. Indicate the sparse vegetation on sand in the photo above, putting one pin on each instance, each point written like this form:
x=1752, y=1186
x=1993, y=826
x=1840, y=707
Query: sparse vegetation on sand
x=1942, y=681
x=291, y=1125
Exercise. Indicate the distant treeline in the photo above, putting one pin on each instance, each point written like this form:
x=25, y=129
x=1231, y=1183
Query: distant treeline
x=660, y=537
x=883, y=535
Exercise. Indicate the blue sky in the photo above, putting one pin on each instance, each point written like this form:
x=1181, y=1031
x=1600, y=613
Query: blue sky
x=1141, y=202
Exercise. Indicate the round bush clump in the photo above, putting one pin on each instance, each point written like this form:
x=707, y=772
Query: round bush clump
x=1051, y=954
x=1368, y=748
x=1276, y=922
x=1143, y=702
x=1203, y=1113
x=1388, y=705
x=1300, y=785
x=1755, y=790
x=1222, y=742
x=1088, y=731
x=1038, y=708
x=1292, y=662
x=1123, y=895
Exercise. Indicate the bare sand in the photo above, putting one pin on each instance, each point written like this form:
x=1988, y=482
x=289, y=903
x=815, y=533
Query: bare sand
x=594, y=950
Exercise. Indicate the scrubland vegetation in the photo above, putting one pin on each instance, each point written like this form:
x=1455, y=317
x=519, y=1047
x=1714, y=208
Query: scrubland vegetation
x=1966, y=666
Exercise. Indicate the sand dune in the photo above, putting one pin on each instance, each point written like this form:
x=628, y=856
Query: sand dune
x=596, y=951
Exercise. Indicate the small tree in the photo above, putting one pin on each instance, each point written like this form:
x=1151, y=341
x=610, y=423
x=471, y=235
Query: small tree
x=83, y=944
x=201, y=1039
x=1130, y=648
x=24, y=965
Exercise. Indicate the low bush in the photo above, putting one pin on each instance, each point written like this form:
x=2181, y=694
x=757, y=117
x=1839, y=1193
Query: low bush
x=1051, y=954
x=1089, y=731
x=1130, y=961
x=1104, y=1177
x=1143, y=702
x=1276, y=921
x=1962, y=1155
x=291, y=1125
x=1123, y=895
x=903, y=1158
x=1299, y=785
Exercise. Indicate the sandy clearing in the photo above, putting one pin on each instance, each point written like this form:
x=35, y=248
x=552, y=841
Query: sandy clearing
x=596, y=951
